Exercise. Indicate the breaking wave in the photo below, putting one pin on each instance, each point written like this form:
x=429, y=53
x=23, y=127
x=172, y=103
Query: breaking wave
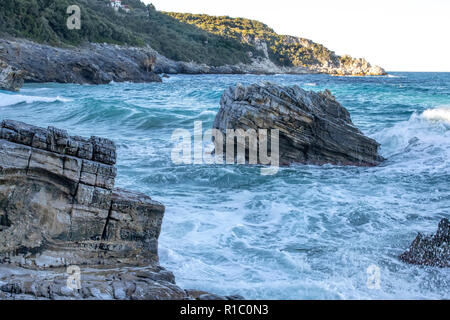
x=13, y=99
x=437, y=115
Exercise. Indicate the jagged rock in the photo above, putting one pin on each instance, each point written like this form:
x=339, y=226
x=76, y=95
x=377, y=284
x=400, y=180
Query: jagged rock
x=59, y=208
x=11, y=79
x=431, y=250
x=57, y=194
x=313, y=127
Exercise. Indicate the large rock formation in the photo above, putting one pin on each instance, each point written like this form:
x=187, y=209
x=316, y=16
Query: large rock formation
x=431, y=250
x=91, y=63
x=57, y=193
x=59, y=208
x=314, y=128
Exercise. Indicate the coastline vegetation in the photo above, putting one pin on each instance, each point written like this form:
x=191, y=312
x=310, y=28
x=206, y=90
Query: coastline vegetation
x=205, y=39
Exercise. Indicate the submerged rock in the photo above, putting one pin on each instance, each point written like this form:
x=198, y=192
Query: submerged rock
x=59, y=208
x=313, y=127
x=431, y=250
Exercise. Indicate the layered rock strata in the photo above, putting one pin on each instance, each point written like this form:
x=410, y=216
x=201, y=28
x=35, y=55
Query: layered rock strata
x=314, y=128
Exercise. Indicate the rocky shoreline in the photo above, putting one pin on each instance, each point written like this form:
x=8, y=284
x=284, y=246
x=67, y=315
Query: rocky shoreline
x=26, y=61
x=59, y=208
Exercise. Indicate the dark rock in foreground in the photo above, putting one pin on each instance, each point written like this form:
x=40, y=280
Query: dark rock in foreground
x=432, y=250
x=59, y=208
x=314, y=128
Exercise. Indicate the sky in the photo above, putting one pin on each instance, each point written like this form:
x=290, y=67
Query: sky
x=398, y=35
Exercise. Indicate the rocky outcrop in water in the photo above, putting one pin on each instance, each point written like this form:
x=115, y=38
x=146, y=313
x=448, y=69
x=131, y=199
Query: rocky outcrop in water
x=88, y=64
x=59, y=208
x=431, y=250
x=313, y=127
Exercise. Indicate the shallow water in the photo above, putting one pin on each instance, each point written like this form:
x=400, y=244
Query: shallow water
x=306, y=233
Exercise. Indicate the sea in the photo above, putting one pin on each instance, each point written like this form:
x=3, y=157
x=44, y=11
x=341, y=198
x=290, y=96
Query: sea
x=306, y=232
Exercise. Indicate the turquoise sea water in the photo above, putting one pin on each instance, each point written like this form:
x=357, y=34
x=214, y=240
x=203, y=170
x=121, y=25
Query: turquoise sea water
x=306, y=233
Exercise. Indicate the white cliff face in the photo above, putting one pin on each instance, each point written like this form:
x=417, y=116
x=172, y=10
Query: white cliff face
x=333, y=66
x=358, y=67
x=262, y=46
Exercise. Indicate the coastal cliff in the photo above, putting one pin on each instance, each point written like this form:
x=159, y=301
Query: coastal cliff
x=132, y=46
x=276, y=53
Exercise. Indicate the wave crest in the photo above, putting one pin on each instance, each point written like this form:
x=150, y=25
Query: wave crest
x=13, y=99
x=437, y=115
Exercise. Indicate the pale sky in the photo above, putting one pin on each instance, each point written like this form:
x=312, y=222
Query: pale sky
x=398, y=35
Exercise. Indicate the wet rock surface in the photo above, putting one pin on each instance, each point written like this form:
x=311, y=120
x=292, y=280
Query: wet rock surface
x=433, y=250
x=59, y=208
x=313, y=127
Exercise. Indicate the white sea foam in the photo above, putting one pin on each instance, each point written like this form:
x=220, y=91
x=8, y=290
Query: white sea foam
x=437, y=115
x=208, y=113
x=13, y=99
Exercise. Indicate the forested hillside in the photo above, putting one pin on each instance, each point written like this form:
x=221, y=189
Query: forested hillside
x=44, y=21
x=215, y=41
